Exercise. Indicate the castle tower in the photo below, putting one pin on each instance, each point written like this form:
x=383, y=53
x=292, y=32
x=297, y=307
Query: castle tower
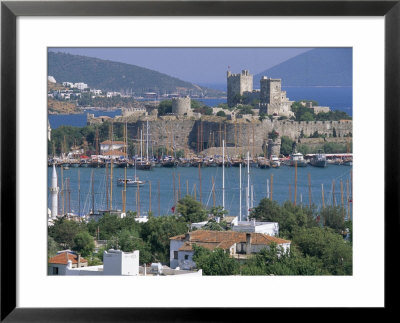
x=181, y=106
x=237, y=84
x=54, y=194
x=270, y=90
x=273, y=99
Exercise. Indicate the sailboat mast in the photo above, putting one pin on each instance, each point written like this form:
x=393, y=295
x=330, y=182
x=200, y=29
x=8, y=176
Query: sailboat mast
x=248, y=186
x=149, y=197
x=295, y=182
x=251, y=199
x=79, y=193
x=124, y=193
x=141, y=145
x=147, y=140
x=111, y=182
x=62, y=189
x=107, y=186
x=272, y=185
x=92, y=193
x=200, y=182
x=240, y=191
x=223, y=174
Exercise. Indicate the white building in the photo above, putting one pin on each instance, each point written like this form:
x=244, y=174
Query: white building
x=80, y=86
x=58, y=264
x=115, y=263
x=270, y=228
x=239, y=245
x=111, y=94
x=109, y=145
x=51, y=79
x=95, y=91
x=68, y=84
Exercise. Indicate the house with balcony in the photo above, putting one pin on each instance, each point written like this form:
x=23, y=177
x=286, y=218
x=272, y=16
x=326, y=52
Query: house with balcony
x=239, y=245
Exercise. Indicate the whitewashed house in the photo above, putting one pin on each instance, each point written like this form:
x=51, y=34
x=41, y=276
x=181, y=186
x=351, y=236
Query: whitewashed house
x=239, y=245
x=109, y=145
x=270, y=228
x=63, y=260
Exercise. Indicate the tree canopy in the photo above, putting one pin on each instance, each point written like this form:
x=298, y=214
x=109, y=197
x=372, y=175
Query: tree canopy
x=191, y=210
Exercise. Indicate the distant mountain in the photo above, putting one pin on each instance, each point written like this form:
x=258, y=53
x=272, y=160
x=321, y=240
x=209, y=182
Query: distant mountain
x=115, y=76
x=317, y=67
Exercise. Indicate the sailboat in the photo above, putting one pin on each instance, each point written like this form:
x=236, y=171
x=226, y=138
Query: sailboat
x=130, y=181
x=141, y=163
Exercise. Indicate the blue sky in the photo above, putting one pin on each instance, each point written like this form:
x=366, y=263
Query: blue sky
x=201, y=65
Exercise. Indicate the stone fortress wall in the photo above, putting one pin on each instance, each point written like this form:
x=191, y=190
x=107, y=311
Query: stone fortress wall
x=183, y=133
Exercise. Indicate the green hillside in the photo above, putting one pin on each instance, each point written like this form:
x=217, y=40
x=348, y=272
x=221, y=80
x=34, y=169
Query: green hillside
x=115, y=76
x=317, y=67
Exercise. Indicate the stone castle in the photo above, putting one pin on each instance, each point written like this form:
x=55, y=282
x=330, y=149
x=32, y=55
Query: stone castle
x=185, y=129
x=273, y=100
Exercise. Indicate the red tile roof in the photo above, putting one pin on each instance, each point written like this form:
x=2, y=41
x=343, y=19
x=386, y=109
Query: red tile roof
x=63, y=257
x=114, y=153
x=224, y=239
x=115, y=142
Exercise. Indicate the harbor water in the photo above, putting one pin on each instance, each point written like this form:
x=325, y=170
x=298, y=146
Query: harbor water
x=164, y=182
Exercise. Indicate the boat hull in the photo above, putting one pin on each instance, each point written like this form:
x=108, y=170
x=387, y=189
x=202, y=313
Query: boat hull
x=144, y=166
x=319, y=163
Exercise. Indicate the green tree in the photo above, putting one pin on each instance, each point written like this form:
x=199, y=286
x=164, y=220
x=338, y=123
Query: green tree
x=157, y=232
x=83, y=243
x=286, y=145
x=52, y=247
x=273, y=135
x=332, y=148
x=333, y=217
x=307, y=116
x=191, y=210
x=165, y=107
x=214, y=262
x=109, y=225
x=63, y=232
x=221, y=114
x=325, y=244
x=245, y=109
x=275, y=261
x=130, y=241
x=212, y=225
x=218, y=211
x=289, y=216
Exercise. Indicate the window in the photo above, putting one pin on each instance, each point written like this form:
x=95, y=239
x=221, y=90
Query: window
x=175, y=254
x=186, y=257
x=55, y=270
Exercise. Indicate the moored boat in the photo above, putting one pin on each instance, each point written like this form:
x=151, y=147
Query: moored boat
x=347, y=162
x=263, y=163
x=319, y=160
x=169, y=161
x=296, y=158
x=130, y=181
x=274, y=161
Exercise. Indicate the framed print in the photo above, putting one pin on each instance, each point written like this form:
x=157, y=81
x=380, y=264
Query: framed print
x=151, y=105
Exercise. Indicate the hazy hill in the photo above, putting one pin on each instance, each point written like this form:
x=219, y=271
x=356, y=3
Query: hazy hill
x=317, y=67
x=115, y=76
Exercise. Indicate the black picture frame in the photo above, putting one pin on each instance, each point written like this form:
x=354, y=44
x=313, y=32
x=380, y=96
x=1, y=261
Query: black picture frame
x=10, y=10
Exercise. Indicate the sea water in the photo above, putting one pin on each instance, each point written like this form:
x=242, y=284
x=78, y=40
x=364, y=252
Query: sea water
x=335, y=179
